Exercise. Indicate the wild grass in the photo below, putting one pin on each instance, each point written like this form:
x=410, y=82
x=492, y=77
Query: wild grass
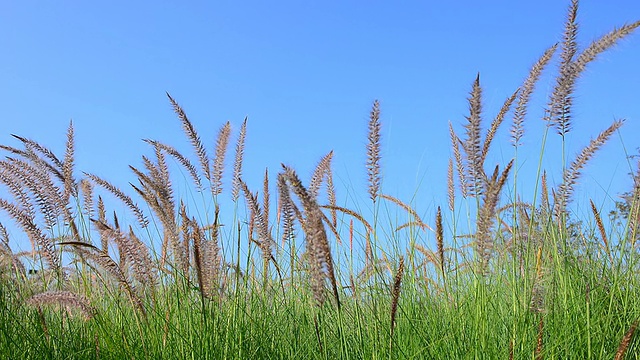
x=195, y=276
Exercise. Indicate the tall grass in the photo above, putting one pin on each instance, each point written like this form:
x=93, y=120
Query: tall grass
x=194, y=276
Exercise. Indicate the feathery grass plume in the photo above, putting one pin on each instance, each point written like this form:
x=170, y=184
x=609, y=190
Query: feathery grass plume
x=352, y=213
x=333, y=229
x=142, y=219
x=410, y=224
x=321, y=260
x=474, y=172
x=154, y=176
x=198, y=257
x=484, y=242
x=319, y=174
x=33, y=147
x=561, y=98
x=429, y=255
x=451, y=191
x=237, y=164
x=67, y=167
x=218, y=161
x=193, y=172
x=18, y=267
x=160, y=177
x=265, y=240
x=103, y=259
x=545, y=205
x=193, y=136
x=409, y=209
x=520, y=112
x=40, y=163
x=601, y=229
x=102, y=216
x=634, y=208
x=87, y=196
x=322, y=172
x=626, y=340
x=207, y=257
x=395, y=295
x=495, y=124
x=368, y=252
x=34, y=233
x=212, y=258
x=131, y=250
x=185, y=229
x=440, y=240
x=66, y=299
x=373, y=151
x=48, y=196
x=455, y=144
x=573, y=64
x=571, y=175
x=266, y=201
x=157, y=192
x=286, y=208
x=331, y=195
x=17, y=188
x=603, y=44
x=145, y=265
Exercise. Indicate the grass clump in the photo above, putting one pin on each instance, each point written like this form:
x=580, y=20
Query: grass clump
x=193, y=276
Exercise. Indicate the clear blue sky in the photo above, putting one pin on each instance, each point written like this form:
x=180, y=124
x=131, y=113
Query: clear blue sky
x=305, y=73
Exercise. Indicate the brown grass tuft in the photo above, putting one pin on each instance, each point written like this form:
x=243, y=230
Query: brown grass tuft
x=66, y=299
x=265, y=240
x=540, y=340
x=601, y=229
x=395, y=295
x=321, y=260
x=484, y=241
x=626, y=340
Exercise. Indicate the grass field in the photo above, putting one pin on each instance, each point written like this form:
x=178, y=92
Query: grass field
x=191, y=275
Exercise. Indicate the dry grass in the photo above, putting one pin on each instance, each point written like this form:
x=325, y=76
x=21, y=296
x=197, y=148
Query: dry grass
x=503, y=275
x=626, y=340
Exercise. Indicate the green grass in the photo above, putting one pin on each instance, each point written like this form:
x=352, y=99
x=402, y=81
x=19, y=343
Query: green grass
x=498, y=279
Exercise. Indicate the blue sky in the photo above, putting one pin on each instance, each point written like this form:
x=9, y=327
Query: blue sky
x=305, y=73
